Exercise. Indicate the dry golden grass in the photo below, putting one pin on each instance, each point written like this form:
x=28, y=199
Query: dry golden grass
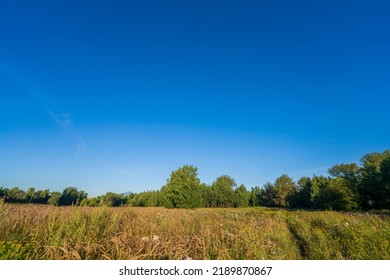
x=47, y=232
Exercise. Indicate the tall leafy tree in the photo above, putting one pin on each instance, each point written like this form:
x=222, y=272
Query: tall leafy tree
x=30, y=195
x=351, y=176
x=373, y=188
x=284, y=189
x=16, y=195
x=302, y=197
x=349, y=171
x=54, y=198
x=337, y=195
x=317, y=183
x=147, y=199
x=112, y=199
x=41, y=196
x=3, y=192
x=241, y=196
x=72, y=196
x=255, y=196
x=267, y=194
x=183, y=189
x=222, y=192
x=385, y=183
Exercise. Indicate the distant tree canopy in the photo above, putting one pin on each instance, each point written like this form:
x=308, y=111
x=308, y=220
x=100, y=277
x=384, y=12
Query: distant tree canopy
x=241, y=197
x=72, y=196
x=349, y=186
x=182, y=189
x=375, y=180
x=222, y=192
x=284, y=189
x=147, y=199
x=54, y=198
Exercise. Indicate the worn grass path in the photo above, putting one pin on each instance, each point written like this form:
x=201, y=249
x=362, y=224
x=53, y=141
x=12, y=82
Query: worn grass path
x=47, y=232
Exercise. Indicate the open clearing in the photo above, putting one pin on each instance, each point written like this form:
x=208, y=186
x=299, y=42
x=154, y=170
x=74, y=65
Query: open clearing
x=48, y=232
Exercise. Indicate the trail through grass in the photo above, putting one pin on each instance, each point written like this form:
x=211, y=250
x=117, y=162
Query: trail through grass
x=46, y=232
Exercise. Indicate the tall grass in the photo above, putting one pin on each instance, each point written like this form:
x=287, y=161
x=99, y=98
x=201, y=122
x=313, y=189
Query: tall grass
x=332, y=235
x=46, y=232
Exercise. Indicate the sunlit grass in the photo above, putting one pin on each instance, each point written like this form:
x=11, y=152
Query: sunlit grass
x=46, y=232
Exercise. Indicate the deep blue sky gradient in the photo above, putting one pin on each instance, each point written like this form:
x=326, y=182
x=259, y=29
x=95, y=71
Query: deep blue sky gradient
x=114, y=95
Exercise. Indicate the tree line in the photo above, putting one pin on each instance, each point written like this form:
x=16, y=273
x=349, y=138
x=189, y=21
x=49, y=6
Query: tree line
x=349, y=186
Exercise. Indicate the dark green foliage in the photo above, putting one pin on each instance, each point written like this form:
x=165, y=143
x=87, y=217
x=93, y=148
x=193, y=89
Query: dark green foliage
x=182, y=189
x=54, y=198
x=205, y=192
x=113, y=200
x=385, y=182
x=318, y=183
x=255, y=196
x=349, y=187
x=336, y=195
x=3, y=192
x=207, y=195
x=241, y=197
x=222, y=192
x=16, y=195
x=30, y=195
x=267, y=194
x=301, y=199
x=351, y=174
x=92, y=202
x=147, y=199
x=284, y=190
x=40, y=196
x=374, y=185
x=279, y=194
x=72, y=196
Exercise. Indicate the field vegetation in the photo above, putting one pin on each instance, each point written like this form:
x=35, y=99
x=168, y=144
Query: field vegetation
x=348, y=187
x=49, y=232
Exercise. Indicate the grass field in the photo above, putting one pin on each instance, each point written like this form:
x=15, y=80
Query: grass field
x=47, y=232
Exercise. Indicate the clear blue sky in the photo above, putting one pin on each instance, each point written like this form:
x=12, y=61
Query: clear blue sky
x=114, y=95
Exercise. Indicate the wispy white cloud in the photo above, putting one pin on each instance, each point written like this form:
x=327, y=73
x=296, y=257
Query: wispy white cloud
x=63, y=120
x=124, y=173
x=66, y=123
x=80, y=143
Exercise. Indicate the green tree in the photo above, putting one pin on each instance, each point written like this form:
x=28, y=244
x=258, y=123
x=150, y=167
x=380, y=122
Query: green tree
x=112, y=199
x=284, y=190
x=54, y=198
x=147, y=199
x=255, y=196
x=241, y=196
x=3, y=192
x=16, y=195
x=385, y=182
x=30, y=195
x=302, y=197
x=205, y=192
x=267, y=194
x=41, y=196
x=337, y=195
x=222, y=192
x=349, y=172
x=317, y=183
x=373, y=189
x=351, y=176
x=72, y=196
x=182, y=189
x=92, y=202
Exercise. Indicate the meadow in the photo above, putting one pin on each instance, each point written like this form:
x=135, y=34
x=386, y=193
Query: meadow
x=43, y=232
